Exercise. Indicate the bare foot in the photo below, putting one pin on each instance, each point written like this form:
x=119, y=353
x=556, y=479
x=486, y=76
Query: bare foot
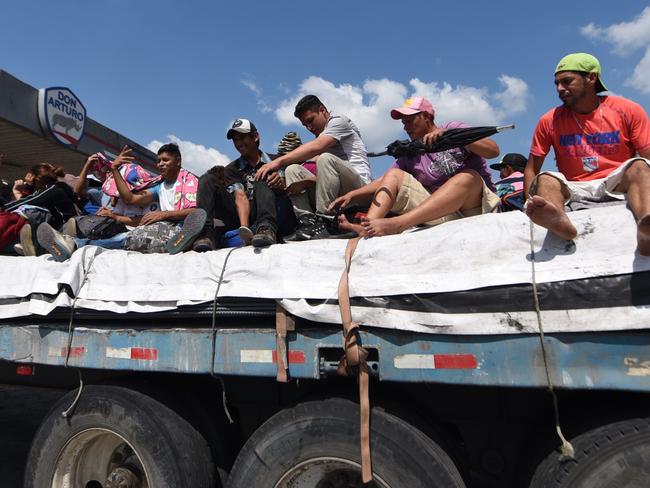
x=546, y=214
x=347, y=226
x=382, y=227
x=643, y=236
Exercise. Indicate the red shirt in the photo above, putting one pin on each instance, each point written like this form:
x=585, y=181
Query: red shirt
x=590, y=146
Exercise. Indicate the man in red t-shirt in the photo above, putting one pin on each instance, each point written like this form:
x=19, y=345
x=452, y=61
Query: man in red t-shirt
x=602, y=146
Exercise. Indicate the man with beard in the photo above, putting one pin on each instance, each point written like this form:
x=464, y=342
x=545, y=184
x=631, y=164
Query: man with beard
x=602, y=146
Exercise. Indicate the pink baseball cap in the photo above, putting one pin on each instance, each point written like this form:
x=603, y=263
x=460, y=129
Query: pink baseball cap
x=412, y=106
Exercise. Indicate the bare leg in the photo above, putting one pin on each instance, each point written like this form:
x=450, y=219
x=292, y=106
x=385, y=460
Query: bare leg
x=385, y=197
x=546, y=208
x=636, y=183
x=462, y=191
x=243, y=207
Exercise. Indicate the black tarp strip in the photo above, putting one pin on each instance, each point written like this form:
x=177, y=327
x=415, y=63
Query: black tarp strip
x=601, y=292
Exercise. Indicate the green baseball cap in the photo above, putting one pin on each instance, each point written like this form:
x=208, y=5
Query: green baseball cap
x=583, y=62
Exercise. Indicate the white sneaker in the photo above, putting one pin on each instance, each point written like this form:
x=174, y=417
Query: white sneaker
x=246, y=235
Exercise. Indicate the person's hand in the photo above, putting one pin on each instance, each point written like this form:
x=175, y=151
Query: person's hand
x=123, y=158
x=265, y=169
x=151, y=217
x=275, y=182
x=431, y=137
x=18, y=185
x=340, y=202
x=298, y=187
x=105, y=212
x=92, y=159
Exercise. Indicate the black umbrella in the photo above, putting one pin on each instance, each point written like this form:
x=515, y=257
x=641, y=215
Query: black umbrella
x=450, y=139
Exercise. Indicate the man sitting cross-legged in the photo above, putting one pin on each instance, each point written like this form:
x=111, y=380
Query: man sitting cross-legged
x=427, y=189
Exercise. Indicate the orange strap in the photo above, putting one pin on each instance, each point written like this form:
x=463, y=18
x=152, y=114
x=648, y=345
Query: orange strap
x=283, y=322
x=355, y=356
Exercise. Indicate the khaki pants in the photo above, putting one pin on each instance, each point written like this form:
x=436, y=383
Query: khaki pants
x=335, y=177
x=412, y=193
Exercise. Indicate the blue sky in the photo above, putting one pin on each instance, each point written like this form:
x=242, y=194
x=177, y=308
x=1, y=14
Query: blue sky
x=166, y=70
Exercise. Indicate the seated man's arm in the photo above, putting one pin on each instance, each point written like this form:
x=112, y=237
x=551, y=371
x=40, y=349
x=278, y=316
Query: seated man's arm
x=243, y=207
x=307, y=151
x=123, y=219
x=533, y=166
x=486, y=148
x=169, y=215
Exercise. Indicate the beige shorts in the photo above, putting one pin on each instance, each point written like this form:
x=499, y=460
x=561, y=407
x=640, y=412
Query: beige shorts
x=600, y=190
x=412, y=193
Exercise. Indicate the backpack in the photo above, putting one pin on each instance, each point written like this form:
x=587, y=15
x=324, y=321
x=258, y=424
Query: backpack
x=98, y=227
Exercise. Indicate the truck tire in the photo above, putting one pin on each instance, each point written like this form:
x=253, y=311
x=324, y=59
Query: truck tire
x=617, y=454
x=316, y=444
x=117, y=437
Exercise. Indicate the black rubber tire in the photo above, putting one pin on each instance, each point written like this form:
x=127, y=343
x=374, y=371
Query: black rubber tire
x=613, y=455
x=401, y=455
x=173, y=453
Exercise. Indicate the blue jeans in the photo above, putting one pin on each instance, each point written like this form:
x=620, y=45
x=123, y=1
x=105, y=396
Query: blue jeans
x=115, y=242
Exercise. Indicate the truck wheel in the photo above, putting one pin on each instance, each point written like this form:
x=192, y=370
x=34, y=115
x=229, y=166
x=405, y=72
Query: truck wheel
x=117, y=437
x=617, y=454
x=316, y=445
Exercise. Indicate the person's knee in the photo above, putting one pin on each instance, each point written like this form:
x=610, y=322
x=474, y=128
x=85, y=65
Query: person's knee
x=469, y=178
x=548, y=183
x=208, y=181
x=292, y=172
x=394, y=173
x=325, y=160
x=638, y=168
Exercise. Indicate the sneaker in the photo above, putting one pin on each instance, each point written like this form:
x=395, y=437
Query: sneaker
x=203, y=244
x=60, y=246
x=246, y=235
x=265, y=236
x=304, y=222
x=27, y=240
x=317, y=231
x=70, y=227
x=192, y=227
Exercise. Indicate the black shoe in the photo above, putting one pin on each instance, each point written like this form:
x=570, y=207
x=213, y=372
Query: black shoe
x=265, y=236
x=304, y=222
x=192, y=227
x=203, y=244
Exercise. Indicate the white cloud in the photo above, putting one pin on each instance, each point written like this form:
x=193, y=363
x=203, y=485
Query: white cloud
x=257, y=91
x=196, y=157
x=625, y=36
x=641, y=76
x=369, y=105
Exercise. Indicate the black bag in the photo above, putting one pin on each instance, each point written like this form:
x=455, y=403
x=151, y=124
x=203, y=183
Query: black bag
x=98, y=227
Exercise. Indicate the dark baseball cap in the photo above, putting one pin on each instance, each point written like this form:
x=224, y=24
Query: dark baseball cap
x=243, y=126
x=516, y=160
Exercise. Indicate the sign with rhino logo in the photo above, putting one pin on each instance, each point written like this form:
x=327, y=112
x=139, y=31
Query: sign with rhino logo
x=62, y=115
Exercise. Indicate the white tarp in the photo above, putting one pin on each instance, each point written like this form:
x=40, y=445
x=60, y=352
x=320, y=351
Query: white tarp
x=477, y=252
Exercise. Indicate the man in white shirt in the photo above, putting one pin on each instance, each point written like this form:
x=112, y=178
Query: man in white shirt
x=341, y=166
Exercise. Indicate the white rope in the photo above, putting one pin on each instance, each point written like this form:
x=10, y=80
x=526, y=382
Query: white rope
x=566, y=449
